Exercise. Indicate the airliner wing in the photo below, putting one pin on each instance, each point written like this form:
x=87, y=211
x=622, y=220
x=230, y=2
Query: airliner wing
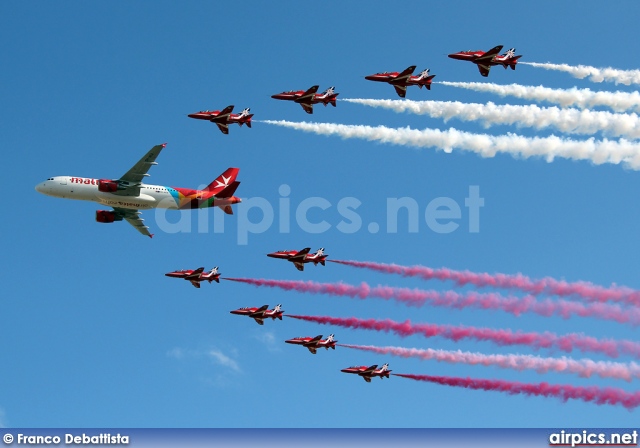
x=133, y=218
x=134, y=176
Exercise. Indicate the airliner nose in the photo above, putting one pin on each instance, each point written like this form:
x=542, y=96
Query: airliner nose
x=40, y=187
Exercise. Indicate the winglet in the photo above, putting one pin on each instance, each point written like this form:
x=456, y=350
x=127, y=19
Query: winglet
x=151, y=235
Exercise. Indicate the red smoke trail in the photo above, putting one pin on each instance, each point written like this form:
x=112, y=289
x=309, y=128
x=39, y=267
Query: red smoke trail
x=452, y=299
x=584, y=367
x=565, y=343
x=606, y=395
x=546, y=285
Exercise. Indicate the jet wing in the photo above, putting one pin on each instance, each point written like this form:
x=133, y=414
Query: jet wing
x=195, y=283
x=132, y=178
x=484, y=69
x=299, y=266
x=259, y=312
x=306, y=99
x=489, y=55
x=307, y=96
x=371, y=369
x=308, y=108
x=196, y=273
x=312, y=350
x=313, y=341
x=300, y=254
x=223, y=116
x=259, y=320
x=401, y=91
x=367, y=379
x=224, y=128
x=133, y=218
x=404, y=75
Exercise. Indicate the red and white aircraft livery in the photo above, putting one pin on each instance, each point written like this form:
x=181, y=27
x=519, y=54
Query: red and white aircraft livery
x=400, y=81
x=309, y=98
x=298, y=258
x=195, y=276
x=313, y=344
x=369, y=372
x=259, y=314
x=224, y=118
x=128, y=194
x=485, y=60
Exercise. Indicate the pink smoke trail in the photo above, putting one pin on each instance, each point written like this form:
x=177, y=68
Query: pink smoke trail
x=566, y=343
x=584, y=367
x=452, y=299
x=606, y=395
x=546, y=285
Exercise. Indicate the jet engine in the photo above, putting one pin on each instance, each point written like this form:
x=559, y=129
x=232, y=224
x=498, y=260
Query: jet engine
x=107, y=216
x=108, y=186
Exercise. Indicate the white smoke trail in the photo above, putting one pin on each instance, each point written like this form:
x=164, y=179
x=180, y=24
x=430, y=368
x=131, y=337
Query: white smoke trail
x=572, y=121
x=583, y=367
x=595, y=74
x=581, y=98
x=596, y=151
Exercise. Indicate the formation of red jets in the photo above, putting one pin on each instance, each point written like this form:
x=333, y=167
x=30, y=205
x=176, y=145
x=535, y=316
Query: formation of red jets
x=399, y=80
x=307, y=98
x=259, y=314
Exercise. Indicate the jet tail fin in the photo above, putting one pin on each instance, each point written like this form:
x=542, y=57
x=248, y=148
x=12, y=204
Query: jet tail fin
x=223, y=181
x=228, y=191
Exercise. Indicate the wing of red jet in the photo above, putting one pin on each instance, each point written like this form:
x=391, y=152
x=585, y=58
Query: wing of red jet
x=196, y=273
x=224, y=128
x=223, y=116
x=401, y=91
x=403, y=76
x=300, y=254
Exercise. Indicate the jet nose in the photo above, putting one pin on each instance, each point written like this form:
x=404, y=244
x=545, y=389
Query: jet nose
x=370, y=77
x=42, y=188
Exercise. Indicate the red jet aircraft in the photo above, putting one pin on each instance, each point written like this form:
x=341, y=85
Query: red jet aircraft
x=484, y=60
x=309, y=98
x=400, y=81
x=369, y=372
x=298, y=258
x=195, y=276
x=314, y=344
x=259, y=314
x=224, y=117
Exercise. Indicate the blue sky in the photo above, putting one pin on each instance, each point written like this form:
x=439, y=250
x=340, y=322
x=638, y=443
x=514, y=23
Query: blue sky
x=94, y=335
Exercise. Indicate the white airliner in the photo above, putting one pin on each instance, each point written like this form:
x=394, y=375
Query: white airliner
x=128, y=195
